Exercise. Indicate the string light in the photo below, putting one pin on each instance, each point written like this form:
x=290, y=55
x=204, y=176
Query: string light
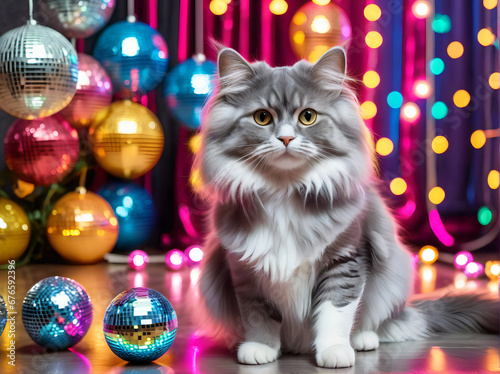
x=138, y=259
x=372, y=12
x=485, y=37
x=441, y=24
x=455, y=50
x=398, y=186
x=478, y=139
x=461, y=98
x=395, y=99
x=436, y=195
x=492, y=269
x=461, y=259
x=473, y=270
x=422, y=89
x=428, y=254
x=439, y=144
x=490, y=4
x=410, y=112
x=437, y=66
x=484, y=215
x=494, y=80
x=371, y=79
x=320, y=24
x=278, y=7
x=373, y=39
x=494, y=179
x=421, y=9
x=439, y=110
x=218, y=7
x=368, y=110
x=194, y=254
x=175, y=259
x=384, y=146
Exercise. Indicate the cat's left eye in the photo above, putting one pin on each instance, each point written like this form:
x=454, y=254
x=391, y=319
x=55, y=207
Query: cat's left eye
x=262, y=117
x=307, y=117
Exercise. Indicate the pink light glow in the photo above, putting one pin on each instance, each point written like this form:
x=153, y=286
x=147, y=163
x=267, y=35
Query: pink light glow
x=266, y=32
x=194, y=253
x=175, y=259
x=461, y=259
x=408, y=209
x=473, y=270
x=439, y=229
x=183, y=30
x=139, y=280
x=138, y=259
x=186, y=220
x=244, y=28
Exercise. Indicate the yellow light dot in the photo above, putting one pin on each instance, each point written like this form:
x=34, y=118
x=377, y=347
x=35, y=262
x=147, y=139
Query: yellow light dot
x=299, y=37
x=299, y=18
x=373, y=39
x=455, y=50
x=321, y=2
x=372, y=12
x=410, y=112
x=494, y=179
x=368, y=110
x=113, y=221
x=218, y=7
x=320, y=24
x=195, y=143
x=422, y=89
x=398, y=186
x=278, y=7
x=439, y=144
x=490, y=4
x=495, y=80
x=436, y=195
x=318, y=51
x=485, y=37
x=461, y=98
x=492, y=269
x=384, y=146
x=428, y=254
x=371, y=79
x=478, y=139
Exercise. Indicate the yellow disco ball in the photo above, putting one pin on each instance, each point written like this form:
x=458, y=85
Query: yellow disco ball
x=82, y=227
x=127, y=139
x=15, y=231
x=317, y=28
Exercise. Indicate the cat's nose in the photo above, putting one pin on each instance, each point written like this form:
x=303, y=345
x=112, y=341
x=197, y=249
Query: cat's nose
x=286, y=140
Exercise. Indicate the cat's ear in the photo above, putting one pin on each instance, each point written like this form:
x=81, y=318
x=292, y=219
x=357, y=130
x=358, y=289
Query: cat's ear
x=330, y=69
x=233, y=69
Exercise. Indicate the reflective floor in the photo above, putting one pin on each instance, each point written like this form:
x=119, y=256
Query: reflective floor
x=192, y=354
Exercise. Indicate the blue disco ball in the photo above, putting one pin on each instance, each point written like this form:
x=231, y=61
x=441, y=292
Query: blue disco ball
x=187, y=88
x=57, y=313
x=135, y=56
x=140, y=325
x=3, y=314
x=135, y=210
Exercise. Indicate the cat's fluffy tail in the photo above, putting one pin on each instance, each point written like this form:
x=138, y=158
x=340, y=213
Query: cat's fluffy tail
x=453, y=312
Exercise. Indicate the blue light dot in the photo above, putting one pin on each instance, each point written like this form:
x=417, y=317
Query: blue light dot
x=128, y=202
x=395, y=99
x=121, y=211
x=437, y=66
x=439, y=110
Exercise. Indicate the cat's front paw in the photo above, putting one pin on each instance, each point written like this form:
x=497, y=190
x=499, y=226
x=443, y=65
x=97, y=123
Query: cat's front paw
x=336, y=356
x=253, y=353
x=365, y=341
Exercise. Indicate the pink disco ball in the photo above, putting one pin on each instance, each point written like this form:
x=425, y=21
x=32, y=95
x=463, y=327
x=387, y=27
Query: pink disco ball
x=93, y=92
x=41, y=151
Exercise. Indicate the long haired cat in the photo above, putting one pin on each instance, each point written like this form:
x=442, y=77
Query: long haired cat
x=303, y=255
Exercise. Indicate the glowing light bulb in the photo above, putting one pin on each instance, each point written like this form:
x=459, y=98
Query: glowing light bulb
x=428, y=254
x=410, y=112
x=461, y=259
x=492, y=269
x=478, y=139
x=320, y=24
x=194, y=254
x=439, y=144
x=138, y=259
x=421, y=9
x=218, y=7
x=398, y=186
x=372, y=12
x=473, y=270
x=494, y=179
x=422, y=89
x=278, y=7
x=436, y=195
x=175, y=259
x=384, y=146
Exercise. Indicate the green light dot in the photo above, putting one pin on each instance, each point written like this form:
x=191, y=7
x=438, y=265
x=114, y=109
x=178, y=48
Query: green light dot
x=439, y=110
x=484, y=215
x=441, y=24
x=437, y=66
x=395, y=99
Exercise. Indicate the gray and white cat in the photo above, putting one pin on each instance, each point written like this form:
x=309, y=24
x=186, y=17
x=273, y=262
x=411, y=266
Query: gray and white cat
x=303, y=255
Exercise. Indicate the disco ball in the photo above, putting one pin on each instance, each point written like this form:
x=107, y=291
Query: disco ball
x=3, y=314
x=38, y=71
x=94, y=92
x=187, y=88
x=317, y=28
x=77, y=19
x=135, y=56
x=57, y=313
x=140, y=325
x=15, y=230
x=135, y=210
x=41, y=151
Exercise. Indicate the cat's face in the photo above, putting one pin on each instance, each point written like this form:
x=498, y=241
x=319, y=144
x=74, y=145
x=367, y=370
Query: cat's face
x=282, y=122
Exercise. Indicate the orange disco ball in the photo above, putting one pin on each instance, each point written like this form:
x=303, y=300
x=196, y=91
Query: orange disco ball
x=317, y=28
x=127, y=139
x=15, y=230
x=82, y=227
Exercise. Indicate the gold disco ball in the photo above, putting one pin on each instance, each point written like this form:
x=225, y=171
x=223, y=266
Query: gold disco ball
x=317, y=28
x=15, y=231
x=82, y=227
x=127, y=139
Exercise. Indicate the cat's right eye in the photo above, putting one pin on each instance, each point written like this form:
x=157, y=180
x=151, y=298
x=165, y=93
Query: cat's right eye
x=262, y=117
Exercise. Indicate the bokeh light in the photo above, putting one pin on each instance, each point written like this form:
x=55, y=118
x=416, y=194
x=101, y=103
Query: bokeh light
x=437, y=66
x=422, y=89
x=373, y=39
x=321, y=2
x=398, y=186
x=461, y=259
x=395, y=99
x=494, y=179
x=485, y=37
x=372, y=12
x=194, y=254
x=138, y=259
x=410, y=112
x=371, y=79
x=492, y=269
x=461, y=98
x=455, y=50
x=478, y=139
x=428, y=254
x=278, y=7
x=175, y=259
x=473, y=270
x=484, y=215
x=436, y=195
x=490, y=4
x=368, y=110
x=218, y=7
x=494, y=80
x=439, y=110
x=384, y=146
x=439, y=144
x=441, y=24
x=421, y=9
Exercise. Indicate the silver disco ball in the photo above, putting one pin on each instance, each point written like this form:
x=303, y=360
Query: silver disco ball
x=77, y=18
x=38, y=71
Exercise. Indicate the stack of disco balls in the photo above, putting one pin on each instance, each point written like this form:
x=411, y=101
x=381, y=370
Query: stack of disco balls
x=139, y=325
